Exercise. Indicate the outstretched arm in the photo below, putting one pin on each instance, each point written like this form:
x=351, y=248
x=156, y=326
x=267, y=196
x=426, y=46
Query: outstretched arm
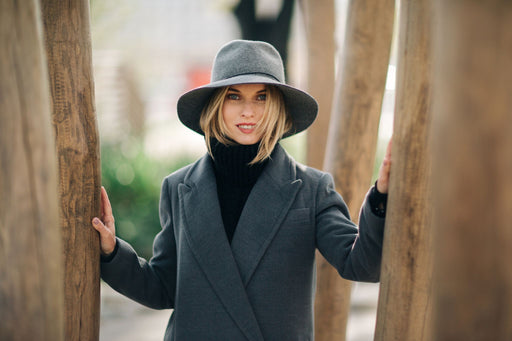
x=355, y=253
x=151, y=283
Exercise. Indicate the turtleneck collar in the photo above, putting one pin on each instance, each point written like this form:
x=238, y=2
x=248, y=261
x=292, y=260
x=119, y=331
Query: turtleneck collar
x=231, y=163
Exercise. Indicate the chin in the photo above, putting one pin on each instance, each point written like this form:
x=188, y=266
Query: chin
x=245, y=140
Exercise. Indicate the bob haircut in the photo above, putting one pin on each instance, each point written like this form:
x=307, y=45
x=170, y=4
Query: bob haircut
x=273, y=125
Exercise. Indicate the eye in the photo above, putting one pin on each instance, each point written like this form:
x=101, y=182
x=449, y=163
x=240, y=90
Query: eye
x=262, y=97
x=232, y=96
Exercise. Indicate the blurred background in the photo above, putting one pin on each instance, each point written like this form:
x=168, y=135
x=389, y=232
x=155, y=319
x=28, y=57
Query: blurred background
x=145, y=55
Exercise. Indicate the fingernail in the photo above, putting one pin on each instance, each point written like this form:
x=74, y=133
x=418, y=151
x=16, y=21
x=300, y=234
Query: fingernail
x=95, y=221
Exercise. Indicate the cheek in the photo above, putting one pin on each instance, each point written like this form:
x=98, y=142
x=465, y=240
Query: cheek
x=227, y=114
x=225, y=119
x=259, y=111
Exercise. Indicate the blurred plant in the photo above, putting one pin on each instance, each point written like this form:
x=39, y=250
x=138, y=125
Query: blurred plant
x=133, y=180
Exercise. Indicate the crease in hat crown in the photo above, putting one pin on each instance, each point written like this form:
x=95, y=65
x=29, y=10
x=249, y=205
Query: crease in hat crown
x=242, y=57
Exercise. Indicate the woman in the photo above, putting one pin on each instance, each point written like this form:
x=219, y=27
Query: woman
x=236, y=255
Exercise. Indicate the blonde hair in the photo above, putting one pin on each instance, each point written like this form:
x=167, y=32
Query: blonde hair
x=274, y=123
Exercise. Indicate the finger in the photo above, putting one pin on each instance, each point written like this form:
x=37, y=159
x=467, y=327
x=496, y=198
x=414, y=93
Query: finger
x=388, y=149
x=385, y=169
x=107, y=237
x=383, y=180
x=106, y=207
x=102, y=210
x=99, y=226
x=386, y=165
x=382, y=186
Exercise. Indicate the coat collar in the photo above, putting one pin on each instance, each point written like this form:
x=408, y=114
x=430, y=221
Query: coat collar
x=264, y=211
x=229, y=268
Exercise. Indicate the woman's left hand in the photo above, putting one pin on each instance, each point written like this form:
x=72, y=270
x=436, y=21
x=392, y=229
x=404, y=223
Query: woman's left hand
x=383, y=180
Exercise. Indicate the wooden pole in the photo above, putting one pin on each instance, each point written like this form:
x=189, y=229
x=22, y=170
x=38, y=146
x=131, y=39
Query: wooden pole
x=353, y=137
x=404, y=309
x=472, y=169
x=31, y=277
x=68, y=46
x=319, y=17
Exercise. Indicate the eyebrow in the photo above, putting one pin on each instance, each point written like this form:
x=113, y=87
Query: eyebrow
x=236, y=90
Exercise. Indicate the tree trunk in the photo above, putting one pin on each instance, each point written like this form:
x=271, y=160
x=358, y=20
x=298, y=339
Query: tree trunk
x=353, y=137
x=68, y=46
x=472, y=169
x=319, y=19
x=404, y=310
x=31, y=277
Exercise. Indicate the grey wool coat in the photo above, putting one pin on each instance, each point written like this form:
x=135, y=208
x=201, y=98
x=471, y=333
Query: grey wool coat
x=261, y=287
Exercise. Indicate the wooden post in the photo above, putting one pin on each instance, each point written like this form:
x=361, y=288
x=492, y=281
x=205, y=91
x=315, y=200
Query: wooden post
x=68, y=46
x=404, y=309
x=472, y=170
x=31, y=277
x=353, y=137
x=319, y=17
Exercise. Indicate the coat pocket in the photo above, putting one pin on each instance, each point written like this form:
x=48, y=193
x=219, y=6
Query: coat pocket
x=297, y=216
x=297, y=233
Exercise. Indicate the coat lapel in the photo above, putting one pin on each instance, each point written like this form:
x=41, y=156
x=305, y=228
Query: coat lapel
x=208, y=241
x=263, y=213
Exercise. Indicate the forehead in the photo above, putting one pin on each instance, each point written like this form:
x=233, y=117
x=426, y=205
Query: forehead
x=248, y=87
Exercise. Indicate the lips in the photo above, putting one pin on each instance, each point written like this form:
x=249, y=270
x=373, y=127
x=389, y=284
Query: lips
x=246, y=126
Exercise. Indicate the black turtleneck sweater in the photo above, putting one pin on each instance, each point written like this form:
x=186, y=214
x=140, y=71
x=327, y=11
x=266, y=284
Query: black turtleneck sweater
x=235, y=179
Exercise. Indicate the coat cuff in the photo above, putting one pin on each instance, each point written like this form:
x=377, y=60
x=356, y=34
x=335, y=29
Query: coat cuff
x=378, y=201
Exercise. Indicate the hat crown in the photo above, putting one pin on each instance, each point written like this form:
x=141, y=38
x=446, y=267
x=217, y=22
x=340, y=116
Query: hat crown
x=242, y=57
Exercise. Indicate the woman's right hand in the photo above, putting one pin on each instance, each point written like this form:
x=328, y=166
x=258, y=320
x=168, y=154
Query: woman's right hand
x=105, y=226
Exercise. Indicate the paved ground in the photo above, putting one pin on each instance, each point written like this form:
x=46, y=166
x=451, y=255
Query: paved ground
x=125, y=320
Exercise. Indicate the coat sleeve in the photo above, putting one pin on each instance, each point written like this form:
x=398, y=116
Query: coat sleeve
x=151, y=283
x=356, y=252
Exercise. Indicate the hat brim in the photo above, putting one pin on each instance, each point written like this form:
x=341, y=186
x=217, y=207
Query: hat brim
x=302, y=108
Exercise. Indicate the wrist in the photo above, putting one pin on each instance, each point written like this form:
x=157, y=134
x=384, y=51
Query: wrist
x=107, y=257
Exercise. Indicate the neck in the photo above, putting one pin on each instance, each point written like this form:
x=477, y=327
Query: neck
x=232, y=162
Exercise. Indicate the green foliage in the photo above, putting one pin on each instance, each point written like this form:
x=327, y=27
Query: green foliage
x=133, y=181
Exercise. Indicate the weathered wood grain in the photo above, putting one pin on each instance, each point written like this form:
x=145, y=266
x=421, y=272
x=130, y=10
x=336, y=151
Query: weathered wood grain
x=68, y=47
x=405, y=300
x=31, y=275
x=352, y=140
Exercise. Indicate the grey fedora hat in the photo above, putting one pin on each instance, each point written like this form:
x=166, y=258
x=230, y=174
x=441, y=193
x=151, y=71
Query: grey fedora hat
x=246, y=61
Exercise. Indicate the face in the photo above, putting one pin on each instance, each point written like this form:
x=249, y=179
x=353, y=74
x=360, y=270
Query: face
x=243, y=110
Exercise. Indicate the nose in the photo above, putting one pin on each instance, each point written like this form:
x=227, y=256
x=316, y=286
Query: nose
x=248, y=109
